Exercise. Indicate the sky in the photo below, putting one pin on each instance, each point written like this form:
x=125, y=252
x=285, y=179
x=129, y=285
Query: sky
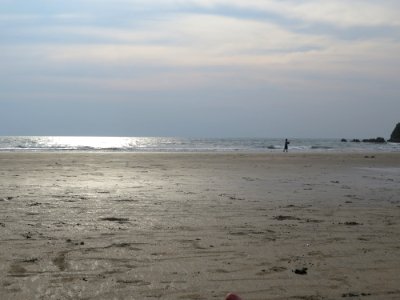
x=200, y=68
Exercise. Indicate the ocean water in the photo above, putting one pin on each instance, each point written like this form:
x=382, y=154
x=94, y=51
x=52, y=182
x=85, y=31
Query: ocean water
x=171, y=144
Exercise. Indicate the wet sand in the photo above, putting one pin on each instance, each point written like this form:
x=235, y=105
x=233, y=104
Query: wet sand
x=196, y=226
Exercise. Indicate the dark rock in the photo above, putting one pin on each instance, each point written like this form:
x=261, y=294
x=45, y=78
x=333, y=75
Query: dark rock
x=30, y=260
x=352, y=223
x=302, y=271
x=378, y=140
x=395, y=137
x=27, y=235
x=343, y=140
x=355, y=140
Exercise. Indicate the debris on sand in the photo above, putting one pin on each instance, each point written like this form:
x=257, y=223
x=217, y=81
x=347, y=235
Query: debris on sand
x=302, y=271
x=115, y=219
x=352, y=223
x=282, y=218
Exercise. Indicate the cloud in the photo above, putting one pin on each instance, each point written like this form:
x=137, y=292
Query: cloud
x=210, y=46
x=342, y=13
x=182, y=40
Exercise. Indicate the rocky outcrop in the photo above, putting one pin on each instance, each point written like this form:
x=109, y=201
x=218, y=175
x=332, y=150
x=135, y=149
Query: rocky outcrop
x=378, y=140
x=395, y=137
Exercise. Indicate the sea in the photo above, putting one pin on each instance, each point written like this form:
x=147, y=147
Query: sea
x=177, y=144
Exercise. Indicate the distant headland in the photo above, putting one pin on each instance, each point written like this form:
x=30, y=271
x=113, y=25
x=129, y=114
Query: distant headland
x=394, y=138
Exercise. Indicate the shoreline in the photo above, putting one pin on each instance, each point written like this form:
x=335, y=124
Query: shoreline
x=199, y=225
x=182, y=145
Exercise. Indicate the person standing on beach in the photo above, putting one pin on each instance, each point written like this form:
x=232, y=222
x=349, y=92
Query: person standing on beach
x=285, y=149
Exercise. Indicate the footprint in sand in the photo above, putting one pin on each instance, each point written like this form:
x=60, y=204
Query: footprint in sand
x=60, y=262
x=17, y=270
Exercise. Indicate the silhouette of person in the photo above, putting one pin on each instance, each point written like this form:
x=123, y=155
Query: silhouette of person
x=285, y=149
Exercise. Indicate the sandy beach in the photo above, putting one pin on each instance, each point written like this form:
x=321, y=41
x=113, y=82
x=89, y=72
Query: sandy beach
x=197, y=226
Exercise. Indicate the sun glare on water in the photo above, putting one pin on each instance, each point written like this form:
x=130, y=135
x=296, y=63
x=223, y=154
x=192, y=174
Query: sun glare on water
x=101, y=143
x=81, y=142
